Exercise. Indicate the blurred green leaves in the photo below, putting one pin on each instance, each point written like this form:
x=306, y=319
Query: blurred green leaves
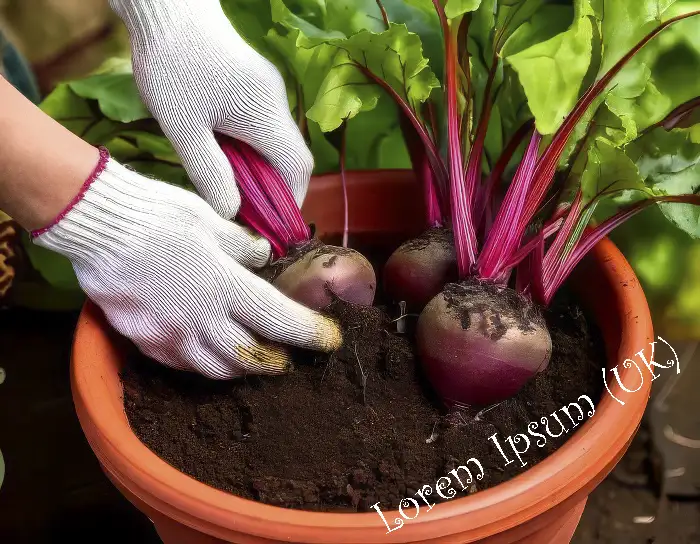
x=105, y=109
x=114, y=89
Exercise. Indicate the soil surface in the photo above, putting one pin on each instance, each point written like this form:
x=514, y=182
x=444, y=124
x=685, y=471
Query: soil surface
x=361, y=427
x=44, y=449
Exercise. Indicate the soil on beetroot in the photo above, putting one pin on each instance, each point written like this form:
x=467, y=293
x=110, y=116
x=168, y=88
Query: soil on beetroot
x=343, y=433
x=272, y=271
x=441, y=236
x=481, y=298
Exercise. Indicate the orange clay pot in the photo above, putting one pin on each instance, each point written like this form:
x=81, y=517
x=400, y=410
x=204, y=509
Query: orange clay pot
x=542, y=505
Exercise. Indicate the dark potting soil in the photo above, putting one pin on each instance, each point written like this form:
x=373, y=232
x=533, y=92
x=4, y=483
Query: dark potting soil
x=474, y=297
x=361, y=427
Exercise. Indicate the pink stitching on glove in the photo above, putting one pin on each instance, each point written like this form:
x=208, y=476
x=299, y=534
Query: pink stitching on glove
x=99, y=168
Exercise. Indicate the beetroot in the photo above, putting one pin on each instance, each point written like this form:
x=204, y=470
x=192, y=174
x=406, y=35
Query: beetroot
x=480, y=340
x=418, y=270
x=480, y=343
x=305, y=269
x=483, y=336
x=320, y=273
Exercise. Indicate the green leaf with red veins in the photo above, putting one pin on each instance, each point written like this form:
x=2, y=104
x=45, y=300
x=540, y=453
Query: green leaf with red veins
x=420, y=18
x=395, y=56
x=666, y=162
x=565, y=59
x=609, y=173
x=345, y=93
x=638, y=112
x=624, y=23
x=661, y=76
x=669, y=162
x=351, y=16
x=661, y=152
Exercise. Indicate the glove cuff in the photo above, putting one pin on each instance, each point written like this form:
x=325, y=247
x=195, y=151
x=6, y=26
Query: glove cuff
x=113, y=204
x=146, y=19
x=96, y=172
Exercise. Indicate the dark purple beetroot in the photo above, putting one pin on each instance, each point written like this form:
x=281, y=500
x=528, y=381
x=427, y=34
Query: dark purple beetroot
x=480, y=343
x=420, y=268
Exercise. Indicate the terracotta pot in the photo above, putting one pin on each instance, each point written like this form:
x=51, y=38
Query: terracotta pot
x=541, y=506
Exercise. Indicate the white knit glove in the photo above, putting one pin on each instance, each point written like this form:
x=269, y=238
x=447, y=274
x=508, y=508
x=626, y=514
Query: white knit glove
x=169, y=274
x=197, y=76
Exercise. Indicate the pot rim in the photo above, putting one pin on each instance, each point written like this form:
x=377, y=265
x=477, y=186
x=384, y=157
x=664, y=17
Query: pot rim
x=569, y=473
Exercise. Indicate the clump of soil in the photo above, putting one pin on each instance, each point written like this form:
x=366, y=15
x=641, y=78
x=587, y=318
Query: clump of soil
x=434, y=235
x=341, y=433
x=273, y=271
x=476, y=297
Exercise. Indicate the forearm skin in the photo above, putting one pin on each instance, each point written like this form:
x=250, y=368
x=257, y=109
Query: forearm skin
x=42, y=164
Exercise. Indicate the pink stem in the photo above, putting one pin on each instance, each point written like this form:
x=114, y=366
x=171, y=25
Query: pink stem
x=555, y=253
x=473, y=174
x=385, y=17
x=267, y=202
x=424, y=171
x=594, y=235
x=486, y=197
x=550, y=158
x=506, y=234
x=466, y=243
x=278, y=192
x=434, y=214
x=550, y=228
x=528, y=279
x=346, y=220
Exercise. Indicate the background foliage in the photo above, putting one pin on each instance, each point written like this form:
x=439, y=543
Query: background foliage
x=302, y=37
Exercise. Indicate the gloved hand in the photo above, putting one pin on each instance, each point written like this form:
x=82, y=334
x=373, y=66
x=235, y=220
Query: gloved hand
x=197, y=76
x=169, y=274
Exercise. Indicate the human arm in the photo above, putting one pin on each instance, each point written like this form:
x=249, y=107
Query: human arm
x=66, y=160
x=168, y=272
x=199, y=78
